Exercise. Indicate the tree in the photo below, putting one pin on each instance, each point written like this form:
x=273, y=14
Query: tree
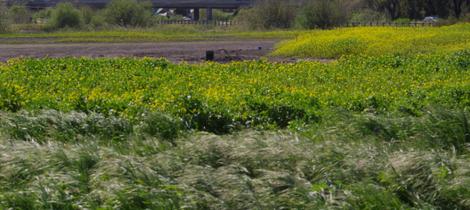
x=457, y=7
x=19, y=14
x=414, y=9
x=65, y=15
x=437, y=7
x=322, y=14
x=391, y=7
x=268, y=14
x=3, y=17
x=128, y=13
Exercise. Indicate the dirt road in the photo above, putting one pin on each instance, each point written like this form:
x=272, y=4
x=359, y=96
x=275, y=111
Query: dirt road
x=193, y=51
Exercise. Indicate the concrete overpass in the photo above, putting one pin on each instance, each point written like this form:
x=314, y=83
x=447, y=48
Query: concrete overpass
x=168, y=4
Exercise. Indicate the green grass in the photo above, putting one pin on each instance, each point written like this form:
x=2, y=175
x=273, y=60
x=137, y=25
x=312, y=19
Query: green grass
x=385, y=131
x=163, y=34
x=373, y=41
x=354, y=163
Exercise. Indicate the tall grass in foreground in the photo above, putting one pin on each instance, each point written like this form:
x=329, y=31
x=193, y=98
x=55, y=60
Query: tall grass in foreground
x=376, y=41
x=54, y=160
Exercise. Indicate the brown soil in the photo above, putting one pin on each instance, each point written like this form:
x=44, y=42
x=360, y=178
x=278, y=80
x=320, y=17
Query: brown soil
x=192, y=52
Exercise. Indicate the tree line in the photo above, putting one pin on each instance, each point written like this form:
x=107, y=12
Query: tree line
x=418, y=9
x=265, y=14
x=329, y=13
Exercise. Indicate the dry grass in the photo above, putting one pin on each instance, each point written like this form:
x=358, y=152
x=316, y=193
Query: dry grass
x=349, y=163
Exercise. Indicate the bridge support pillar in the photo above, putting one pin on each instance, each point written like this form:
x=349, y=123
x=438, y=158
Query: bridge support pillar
x=209, y=14
x=196, y=14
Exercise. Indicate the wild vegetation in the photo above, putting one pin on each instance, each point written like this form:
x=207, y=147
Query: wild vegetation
x=3, y=18
x=54, y=160
x=377, y=41
x=382, y=132
x=128, y=13
x=265, y=14
x=65, y=15
x=221, y=97
x=333, y=13
x=385, y=124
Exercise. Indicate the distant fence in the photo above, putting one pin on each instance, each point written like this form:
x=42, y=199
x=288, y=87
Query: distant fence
x=394, y=24
x=196, y=22
x=350, y=24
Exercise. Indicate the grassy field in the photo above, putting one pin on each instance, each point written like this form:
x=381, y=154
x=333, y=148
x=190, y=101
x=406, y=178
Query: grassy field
x=377, y=41
x=165, y=33
x=363, y=132
x=348, y=161
x=383, y=130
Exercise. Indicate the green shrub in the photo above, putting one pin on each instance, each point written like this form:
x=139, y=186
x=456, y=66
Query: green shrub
x=198, y=115
x=322, y=14
x=98, y=20
x=87, y=14
x=268, y=14
x=42, y=16
x=65, y=15
x=3, y=18
x=128, y=13
x=19, y=14
x=157, y=124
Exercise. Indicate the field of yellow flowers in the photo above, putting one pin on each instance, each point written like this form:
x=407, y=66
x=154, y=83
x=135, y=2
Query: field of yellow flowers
x=377, y=41
x=219, y=97
x=384, y=126
x=386, y=132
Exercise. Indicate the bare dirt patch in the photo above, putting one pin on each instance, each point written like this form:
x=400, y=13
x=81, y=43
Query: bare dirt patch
x=193, y=51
